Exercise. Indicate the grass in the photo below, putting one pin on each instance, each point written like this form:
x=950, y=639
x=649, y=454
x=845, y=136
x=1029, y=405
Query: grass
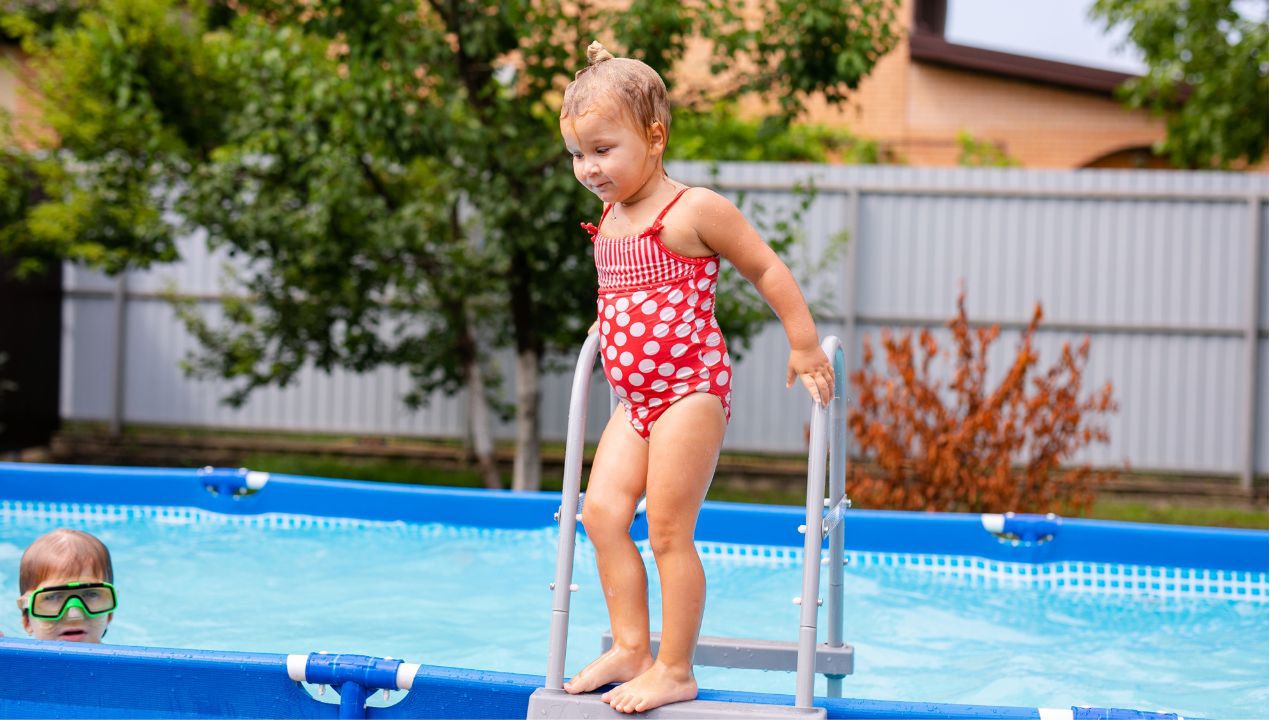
x=414, y=473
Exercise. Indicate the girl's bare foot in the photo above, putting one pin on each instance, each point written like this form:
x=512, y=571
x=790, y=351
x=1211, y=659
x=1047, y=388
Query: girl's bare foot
x=617, y=665
x=659, y=685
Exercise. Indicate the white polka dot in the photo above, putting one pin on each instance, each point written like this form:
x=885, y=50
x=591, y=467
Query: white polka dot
x=647, y=364
x=663, y=289
x=622, y=304
x=691, y=299
x=607, y=328
x=612, y=352
x=616, y=373
x=703, y=374
x=599, y=304
x=702, y=283
x=621, y=391
x=636, y=379
x=623, y=319
x=727, y=359
x=609, y=312
x=637, y=425
x=707, y=304
x=619, y=339
x=703, y=387
x=676, y=297
x=658, y=385
x=627, y=358
x=638, y=297
x=700, y=324
x=678, y=350
x=683, y=330
x=711, y=267
x=712, y=357
x=637, y=396
x=711, y=340
x=688, y=315
x=696, y=338
x=680, y=388
x=637, y=330
x=666, y=369
x=654, y=402
x=648, y=307
x=713, y=322
x=642, y=411
x=667, y=314
x=660, y=330
x=683, y=373
x=609, y=296
x=721, y=378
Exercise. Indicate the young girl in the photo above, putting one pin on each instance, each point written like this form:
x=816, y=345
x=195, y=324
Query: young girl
x=657, y=250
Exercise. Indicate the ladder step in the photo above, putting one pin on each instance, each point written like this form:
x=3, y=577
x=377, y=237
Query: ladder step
x=744, y=653
x=559, y=705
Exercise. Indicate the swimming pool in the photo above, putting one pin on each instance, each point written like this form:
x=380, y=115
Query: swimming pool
x=938, y=609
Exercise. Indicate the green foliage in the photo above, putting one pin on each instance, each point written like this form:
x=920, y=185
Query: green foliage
x=1208, y=73
x=981, y=153
x=387, y=177
x=719, y=134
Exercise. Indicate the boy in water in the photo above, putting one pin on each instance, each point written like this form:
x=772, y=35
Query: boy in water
x=65, y=587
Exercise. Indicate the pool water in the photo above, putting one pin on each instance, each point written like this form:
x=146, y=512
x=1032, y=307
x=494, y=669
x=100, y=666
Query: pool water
x=478, y=598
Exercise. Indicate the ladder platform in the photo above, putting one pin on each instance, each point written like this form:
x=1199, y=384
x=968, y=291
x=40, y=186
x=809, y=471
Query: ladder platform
x=559, y=705
x=744, y=653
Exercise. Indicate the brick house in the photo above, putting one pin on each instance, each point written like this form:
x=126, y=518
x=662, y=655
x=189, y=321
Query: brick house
x=1043, y=113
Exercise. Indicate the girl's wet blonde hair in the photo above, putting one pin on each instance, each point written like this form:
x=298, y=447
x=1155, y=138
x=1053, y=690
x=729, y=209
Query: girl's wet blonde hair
x=634, y=88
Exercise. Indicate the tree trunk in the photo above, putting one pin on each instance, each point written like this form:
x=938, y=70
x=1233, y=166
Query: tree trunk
x=528, y=464
x=480, y=426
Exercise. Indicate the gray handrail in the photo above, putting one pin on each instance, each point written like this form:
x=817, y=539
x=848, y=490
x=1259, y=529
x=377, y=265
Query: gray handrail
x=575, y=443
x=822, y=418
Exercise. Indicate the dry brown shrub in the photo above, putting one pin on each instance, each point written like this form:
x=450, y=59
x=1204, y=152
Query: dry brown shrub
x=968, y=447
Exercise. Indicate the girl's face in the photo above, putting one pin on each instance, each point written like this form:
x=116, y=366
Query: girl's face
x=612, y=158
x=74, y=626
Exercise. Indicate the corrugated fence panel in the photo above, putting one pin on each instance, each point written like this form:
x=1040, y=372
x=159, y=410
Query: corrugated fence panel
x=1153, y=266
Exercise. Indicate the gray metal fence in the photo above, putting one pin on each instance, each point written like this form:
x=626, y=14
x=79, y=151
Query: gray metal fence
x=1163, y=270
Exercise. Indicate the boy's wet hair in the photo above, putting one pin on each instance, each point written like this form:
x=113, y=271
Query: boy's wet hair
x=64, y=552
x=631, y=85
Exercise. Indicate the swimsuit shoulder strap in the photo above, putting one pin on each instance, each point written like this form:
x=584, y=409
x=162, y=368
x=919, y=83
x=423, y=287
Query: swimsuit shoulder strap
x=656, y=224
x=594, y=229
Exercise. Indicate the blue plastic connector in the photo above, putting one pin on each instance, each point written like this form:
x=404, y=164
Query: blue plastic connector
x=368, y=672
x=1032, y=528
x=231, y=483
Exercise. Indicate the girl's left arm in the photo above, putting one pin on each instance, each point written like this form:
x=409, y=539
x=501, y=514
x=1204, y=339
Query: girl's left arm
x=722, y=228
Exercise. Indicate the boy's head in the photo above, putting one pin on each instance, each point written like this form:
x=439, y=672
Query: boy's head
x=64, y=585
x=625, y=88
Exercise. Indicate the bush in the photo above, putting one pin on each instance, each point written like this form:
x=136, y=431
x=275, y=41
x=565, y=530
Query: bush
x=966, y=447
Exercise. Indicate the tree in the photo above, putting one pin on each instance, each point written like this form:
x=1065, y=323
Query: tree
x=1207, y=72
x=389, y=175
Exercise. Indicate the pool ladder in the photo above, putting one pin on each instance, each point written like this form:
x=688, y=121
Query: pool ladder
x=833, y=658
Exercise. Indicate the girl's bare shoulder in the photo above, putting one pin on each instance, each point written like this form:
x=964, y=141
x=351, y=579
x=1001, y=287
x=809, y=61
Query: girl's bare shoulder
x=699, y=215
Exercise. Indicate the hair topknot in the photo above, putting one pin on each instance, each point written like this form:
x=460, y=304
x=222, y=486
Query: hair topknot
x=595, y=54
x=627, y=85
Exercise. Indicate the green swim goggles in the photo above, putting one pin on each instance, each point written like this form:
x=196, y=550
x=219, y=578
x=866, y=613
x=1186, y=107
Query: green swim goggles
x=93, y=599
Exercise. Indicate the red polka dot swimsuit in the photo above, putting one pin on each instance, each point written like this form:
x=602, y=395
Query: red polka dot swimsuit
x=658, y=336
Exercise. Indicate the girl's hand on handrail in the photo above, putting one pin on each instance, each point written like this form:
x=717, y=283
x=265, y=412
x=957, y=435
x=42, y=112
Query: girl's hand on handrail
x=812, y=366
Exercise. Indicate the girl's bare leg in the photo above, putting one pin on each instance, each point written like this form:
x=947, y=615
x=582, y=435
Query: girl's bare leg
x=618, y=478
x=682, y=455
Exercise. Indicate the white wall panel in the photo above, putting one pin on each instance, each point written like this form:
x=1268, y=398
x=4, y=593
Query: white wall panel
x=1153, y=265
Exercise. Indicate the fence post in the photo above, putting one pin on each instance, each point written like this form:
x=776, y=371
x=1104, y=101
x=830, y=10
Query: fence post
x=121, y=338
x=848, y=309
x=1251, y=334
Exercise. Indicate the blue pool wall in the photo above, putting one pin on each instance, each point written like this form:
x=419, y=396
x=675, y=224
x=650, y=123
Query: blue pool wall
x=68, y=680
x=869, y=530
x=72, y=680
